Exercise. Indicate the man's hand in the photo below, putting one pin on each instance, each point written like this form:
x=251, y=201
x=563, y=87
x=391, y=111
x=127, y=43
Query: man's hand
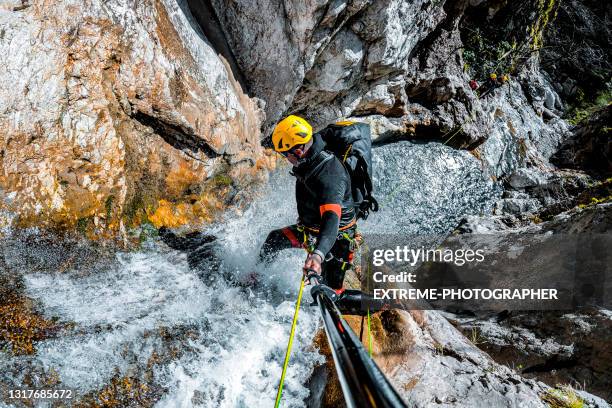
x=313, y=263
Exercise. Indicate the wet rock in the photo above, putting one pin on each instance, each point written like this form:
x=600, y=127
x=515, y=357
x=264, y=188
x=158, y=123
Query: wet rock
x=444, y=368
x=338, y=66
x=525, y=177
x=516, y=206
x=592, y=400
x=277, y=49
x=596, y=218
x=550, y=99
x=21, y=323
x=113, y=108
x=554, y=347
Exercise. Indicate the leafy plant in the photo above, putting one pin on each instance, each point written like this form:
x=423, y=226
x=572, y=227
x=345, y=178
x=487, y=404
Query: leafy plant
x=476, y=338
x=494, y=49
x=483, y=55
x=583, y=107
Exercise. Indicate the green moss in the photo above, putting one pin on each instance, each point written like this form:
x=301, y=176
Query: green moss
x=536, y=219
x=108, y=205
x=222, y=179
x=82, y=224
x=135, y=211
x=502, y=50
x=147, y=230
x=546, y=9
x=563, y=397
x=598, y=193
x=584, y=105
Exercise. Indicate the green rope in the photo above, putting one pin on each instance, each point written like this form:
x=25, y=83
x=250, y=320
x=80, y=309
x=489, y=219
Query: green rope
x=369, y=333
x=288, y=352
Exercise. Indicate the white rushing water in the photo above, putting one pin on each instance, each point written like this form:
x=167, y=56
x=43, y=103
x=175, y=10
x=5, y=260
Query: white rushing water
x=235, y=356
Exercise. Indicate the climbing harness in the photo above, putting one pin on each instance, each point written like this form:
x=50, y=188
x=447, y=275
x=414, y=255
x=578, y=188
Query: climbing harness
x=309, y=242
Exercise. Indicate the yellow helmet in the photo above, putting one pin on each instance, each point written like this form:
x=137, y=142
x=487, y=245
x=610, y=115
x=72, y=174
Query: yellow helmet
x=493, y=76
x=289, y=132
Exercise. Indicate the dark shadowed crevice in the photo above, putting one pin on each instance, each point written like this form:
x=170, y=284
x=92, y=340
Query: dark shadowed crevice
x=552, y=364
x=422, y=134
x=453, y=10
x=176, y=136
x=201, y=14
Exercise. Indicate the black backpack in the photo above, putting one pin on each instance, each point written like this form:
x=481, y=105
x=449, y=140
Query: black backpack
x=351, y=142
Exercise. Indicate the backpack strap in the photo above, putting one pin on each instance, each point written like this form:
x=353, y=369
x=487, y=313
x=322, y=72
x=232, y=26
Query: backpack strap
x=369, y=203
x=319, y=160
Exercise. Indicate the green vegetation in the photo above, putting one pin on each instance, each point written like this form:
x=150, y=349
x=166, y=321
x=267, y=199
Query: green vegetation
x=108, y=205
x=598, y=193
x=134, y=212
x=476, y=338
x=584, y=106
x=483, y=56
x=546, y=8
x=222, y=179
x=146, y=230
x=82, y=224
x=564, y=396
x=439, y=348
x=494, y=50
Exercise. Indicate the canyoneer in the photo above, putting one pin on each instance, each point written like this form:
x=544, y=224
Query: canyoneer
x=333, y=190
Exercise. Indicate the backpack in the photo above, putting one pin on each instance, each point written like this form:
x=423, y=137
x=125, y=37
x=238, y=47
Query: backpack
x=351, y=142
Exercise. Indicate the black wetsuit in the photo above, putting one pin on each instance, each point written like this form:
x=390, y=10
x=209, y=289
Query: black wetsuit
x=326, y=214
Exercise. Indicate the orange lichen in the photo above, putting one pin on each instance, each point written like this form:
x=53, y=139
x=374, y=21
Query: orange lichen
x=97, y=169
x=170, y=215
x=20, y=326
x=181, y=178
x=121, y=392
x=194, y=210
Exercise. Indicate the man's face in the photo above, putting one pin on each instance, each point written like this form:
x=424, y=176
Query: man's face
x=294, y=155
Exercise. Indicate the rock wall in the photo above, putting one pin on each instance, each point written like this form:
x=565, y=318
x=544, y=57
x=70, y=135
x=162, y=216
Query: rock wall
x=115, y=113
x=397, y=64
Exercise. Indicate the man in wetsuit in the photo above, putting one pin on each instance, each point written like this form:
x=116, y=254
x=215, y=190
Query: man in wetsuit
x=326, y=226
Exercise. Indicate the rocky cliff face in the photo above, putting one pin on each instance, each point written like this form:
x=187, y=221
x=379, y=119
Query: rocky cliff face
x=115, y=112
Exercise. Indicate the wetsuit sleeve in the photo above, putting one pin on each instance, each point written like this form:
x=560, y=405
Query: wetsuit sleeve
x=331, y=186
